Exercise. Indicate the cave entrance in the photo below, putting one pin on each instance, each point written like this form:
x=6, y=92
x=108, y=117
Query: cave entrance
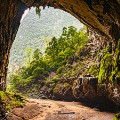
x=103, y=16
x=37, y=32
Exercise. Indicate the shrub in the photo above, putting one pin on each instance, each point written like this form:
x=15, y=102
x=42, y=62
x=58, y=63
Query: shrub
x=117, y=116
x=10, y=100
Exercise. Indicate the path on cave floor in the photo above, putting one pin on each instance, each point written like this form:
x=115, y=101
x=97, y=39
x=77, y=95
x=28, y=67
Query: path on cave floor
x=37, y=109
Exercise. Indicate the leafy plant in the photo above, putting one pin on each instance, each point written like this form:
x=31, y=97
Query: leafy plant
x=10, y=100
x=115, y=75
x=117, y=116
x=38, y=11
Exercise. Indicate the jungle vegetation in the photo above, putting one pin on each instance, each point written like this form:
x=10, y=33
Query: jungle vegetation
x=59, y=56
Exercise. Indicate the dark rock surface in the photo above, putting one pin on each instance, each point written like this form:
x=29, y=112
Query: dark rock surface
x=2, y=114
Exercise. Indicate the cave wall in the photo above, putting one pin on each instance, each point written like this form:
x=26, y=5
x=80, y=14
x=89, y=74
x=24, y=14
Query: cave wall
x=101, y=15
x=11, y=13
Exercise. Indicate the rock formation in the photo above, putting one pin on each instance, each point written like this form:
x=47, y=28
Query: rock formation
x=11, y=13
x=101, y=15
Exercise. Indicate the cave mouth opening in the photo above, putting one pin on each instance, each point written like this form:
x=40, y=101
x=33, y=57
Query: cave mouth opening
x=81, y=10
x=105, y=25
x=36, y=32
x=31, y=27
x=51, y=23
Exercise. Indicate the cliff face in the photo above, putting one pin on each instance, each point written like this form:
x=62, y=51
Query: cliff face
x=84, y=83
x=101, y=15
x=11, y=13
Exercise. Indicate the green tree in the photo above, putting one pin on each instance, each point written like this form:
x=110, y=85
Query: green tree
x=28, y=55
x=37, y=54
x=62, y=48
x=60, y=51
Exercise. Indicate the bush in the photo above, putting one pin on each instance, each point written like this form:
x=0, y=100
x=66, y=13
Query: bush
x=10, y=100
x=117, y=116
x=17, y=82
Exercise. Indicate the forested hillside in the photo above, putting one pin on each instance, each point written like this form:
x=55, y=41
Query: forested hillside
x=35, y=32
x=64, y=60
x=73, y=64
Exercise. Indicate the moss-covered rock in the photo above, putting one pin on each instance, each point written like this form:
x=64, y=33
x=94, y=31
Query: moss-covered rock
x=117, y=116
x=115, y=74
x=105, y=67
x=110, y=66
x=10, y=100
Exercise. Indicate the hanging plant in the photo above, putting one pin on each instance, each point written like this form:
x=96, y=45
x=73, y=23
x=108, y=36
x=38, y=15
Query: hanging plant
x=38, y=11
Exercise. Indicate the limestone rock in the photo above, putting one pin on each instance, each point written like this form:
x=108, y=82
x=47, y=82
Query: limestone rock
x=86, y=88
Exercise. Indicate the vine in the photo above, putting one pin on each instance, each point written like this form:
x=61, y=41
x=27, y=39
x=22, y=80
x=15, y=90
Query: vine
x=38, y=11
x=115, y=75
x=110, y=66
x=105, y=67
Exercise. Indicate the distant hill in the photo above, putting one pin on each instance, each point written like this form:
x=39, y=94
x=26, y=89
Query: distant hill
x=35, y=32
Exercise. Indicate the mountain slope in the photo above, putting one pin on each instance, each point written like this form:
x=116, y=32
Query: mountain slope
x=35, y=32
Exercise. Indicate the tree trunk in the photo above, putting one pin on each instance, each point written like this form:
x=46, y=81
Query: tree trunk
x=11, y=13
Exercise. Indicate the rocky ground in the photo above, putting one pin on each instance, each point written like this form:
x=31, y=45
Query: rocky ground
x=37, y=109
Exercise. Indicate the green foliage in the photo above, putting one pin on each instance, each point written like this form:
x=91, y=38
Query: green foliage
x=31, y=74
x=38, y=11
x=37, y=54
x=105, y=67
x=55, y=79
x=18, y=83
x=60, y=54
x=94, y=70
x=117, y=116
x=115, y=75
x=62, y=49
x=60, y=69
x=10, y=100
x=66, y=84
x=39, y=73
x=110, y=66
x=28, y=55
